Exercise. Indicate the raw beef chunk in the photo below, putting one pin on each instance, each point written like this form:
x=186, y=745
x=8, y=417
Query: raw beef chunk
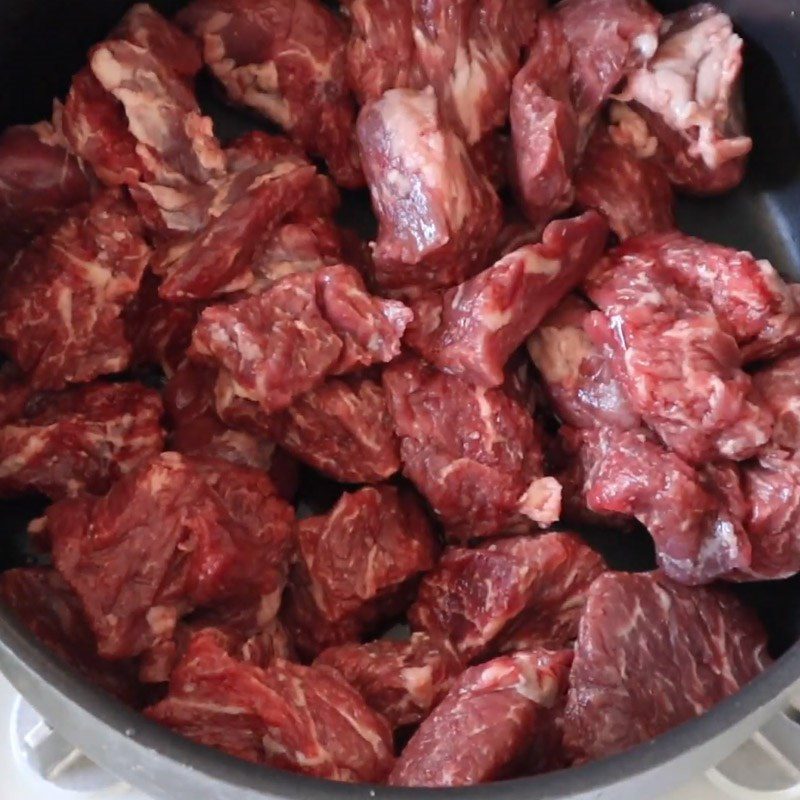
x=343, y=429
x=276, y=346
x=608, y=38
x=402, y=680
x=688, y=97
x=173, y=535
x=778, y=383
x=652, y=654
x=697, y=533
x=472, y=329
x=383, y=537
x=286, y=60
x=633, y=193
x=577, y=375
x=678, y=362
x=61, y=298
x=544, y=125
x=487, y=725
x=303, y=719
x=39, y=180
x=473, y=453
x=438, y=218
x=525, y=589
x=82, y=439
x=46, y=605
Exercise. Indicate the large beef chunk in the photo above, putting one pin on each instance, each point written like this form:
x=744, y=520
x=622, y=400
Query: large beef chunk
x=404, y=680
x=486, y=728
x=81, y=439
x=688, y=97
x=652, y=654
x=438, y=218
x=473, y=453
x=513, y=594
x=284, y=59
x=303, y=719
x=472, y=329
x=61, y=298
x=174, y=535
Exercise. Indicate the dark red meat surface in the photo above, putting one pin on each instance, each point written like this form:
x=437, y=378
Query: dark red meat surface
x=370, y=543
x=303, y=719
x=438, y=217
x=472, y=329
x=525, y=590
x=276, y=346
x=403, y=680
x=652, y=654
x=473, y=453
x=485, y=727
x=81, y=439
x=61, y=298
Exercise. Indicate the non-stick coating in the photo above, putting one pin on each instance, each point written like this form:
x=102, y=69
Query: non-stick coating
x=41, y=44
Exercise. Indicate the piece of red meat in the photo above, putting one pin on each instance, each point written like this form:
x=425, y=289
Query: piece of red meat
x=276, y=346
x=578, y=376
x=524, y=589
x=438, y=217
x=544, y=125
x=486, y=726
x=370, y=543
x=472, y=329
x=747, y=294
x=608, y=39
x=403, y=680
x=303, y=719
x=688, y=96
x=488, y=468
x=698, y=535
x=633, y=193
x=81, y=439
x=174, y=535
x=39, y=180
x=61, y=298
x=778, y=383
x=45, y=604
x=652, y=654
x=286, y=60
x=491, y=158
x=472, y=452
x=680, y=365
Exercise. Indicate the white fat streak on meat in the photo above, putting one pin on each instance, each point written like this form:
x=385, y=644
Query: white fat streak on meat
x=541, y=501
x=559, y=352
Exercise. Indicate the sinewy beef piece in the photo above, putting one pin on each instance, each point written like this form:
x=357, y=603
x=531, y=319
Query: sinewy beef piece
x=633, y=193
x=278, y=345
x=544, y=125
x=688, y=97
x=39, y=180
x=81, y=439
x=403, y=680
x=61, y=298
x=608, y=38
x=489, y=722
x=45, y=604
x=303, y=719
x=286, y=60
x=169, y=537
x=652, y=654
x=678, y=362
x=438, y=218
x=779, y=385
x=473, y=453
x=698, y=534
x=525, y=590
x=370, y=543
x=472, y=329
x=577, y=375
